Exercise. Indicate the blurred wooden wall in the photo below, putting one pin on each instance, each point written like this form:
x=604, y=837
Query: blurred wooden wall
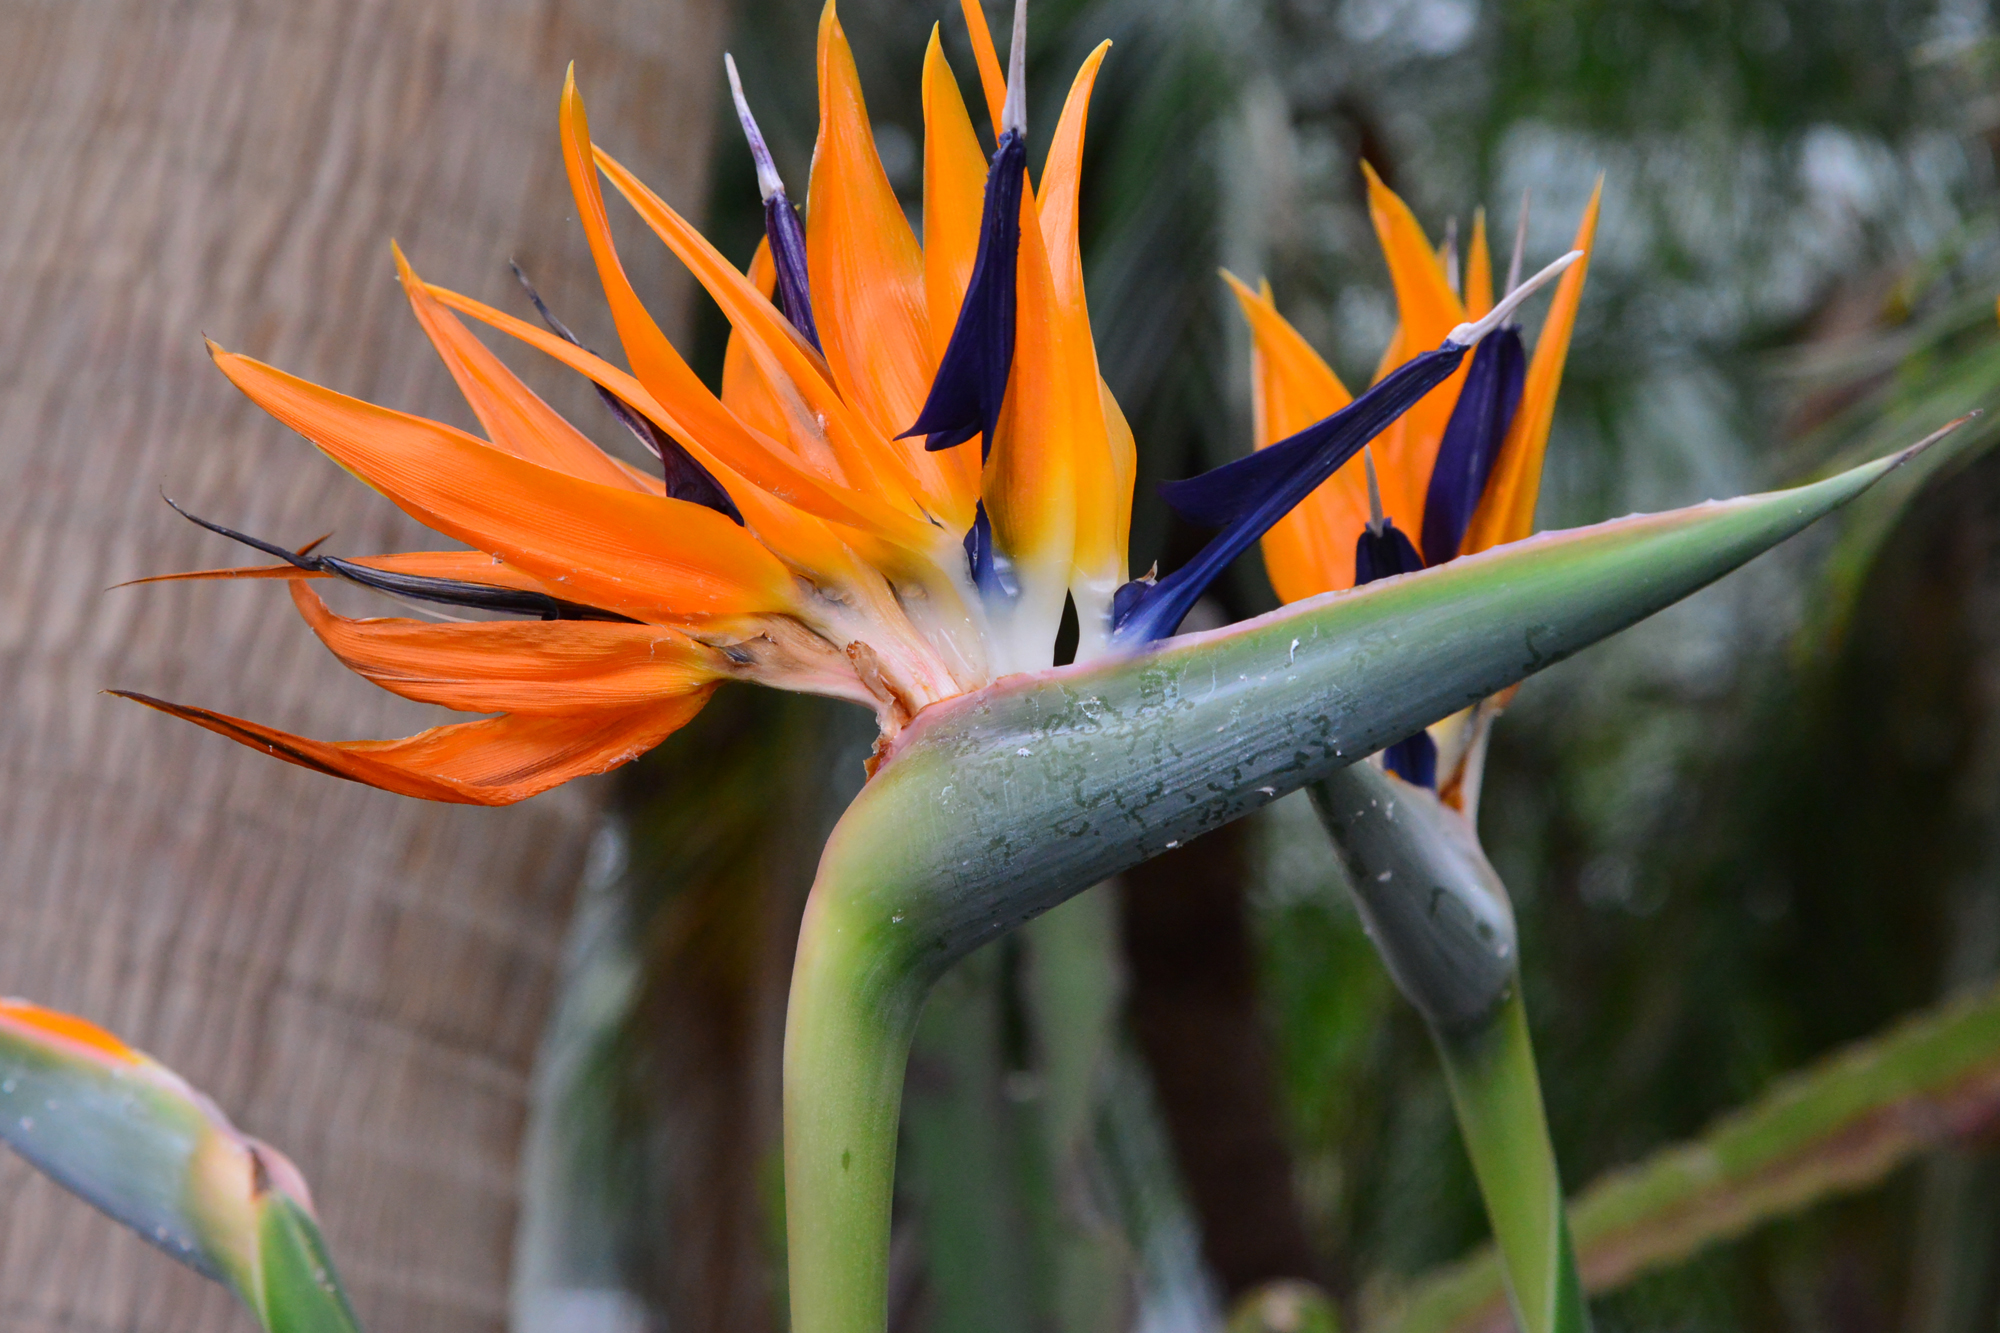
x=358, y=978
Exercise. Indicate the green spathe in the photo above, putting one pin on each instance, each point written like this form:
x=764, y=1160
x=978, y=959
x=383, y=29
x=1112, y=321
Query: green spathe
x=995, y=806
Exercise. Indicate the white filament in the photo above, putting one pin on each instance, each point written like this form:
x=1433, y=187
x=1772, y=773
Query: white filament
x=769, y=183
x=1467, y=334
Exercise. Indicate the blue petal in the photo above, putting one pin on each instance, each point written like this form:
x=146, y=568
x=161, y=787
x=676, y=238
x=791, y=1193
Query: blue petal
x=1222, y=496
x=971, y=381
x=1252, y=494
x=1384, y=553
x=685, y=477
x=992, y=572
x=1472, y=440
x=788, y=256
x=1381, y=553
x=1414, y=759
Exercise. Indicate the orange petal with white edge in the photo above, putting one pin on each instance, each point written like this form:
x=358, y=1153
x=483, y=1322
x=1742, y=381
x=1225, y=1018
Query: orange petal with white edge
x=1311, y=549
x=1426, y=312
x=516, y=666
x=494, y=761
x=642, y=555
x=1506, y=512
x=866, y=271
x=516, y=420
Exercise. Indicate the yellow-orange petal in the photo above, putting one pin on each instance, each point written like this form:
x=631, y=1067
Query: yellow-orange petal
x=44, y=1025
x=745, y=391
x=825, y=429
x=1102, y=506
x=696, y=417
x=1478, y=269
x=866, y=271
x=1311, y=549
x=954, y=193
x=515, y=666
x=991, y=80
x=1030, y=477
x=494, y=761
x=736, y=451
x=1427, y=311
x=1507, y=511
x=642, y=555
x=515, y=418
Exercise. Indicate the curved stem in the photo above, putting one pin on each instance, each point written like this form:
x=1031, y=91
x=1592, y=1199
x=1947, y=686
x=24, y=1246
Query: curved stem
x=857, y=990
x=1498, y=1099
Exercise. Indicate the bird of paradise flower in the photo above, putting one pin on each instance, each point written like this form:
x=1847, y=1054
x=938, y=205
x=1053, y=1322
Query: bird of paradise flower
x=820, y=523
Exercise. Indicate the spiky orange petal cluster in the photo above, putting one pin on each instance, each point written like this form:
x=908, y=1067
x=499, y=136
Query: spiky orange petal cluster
x=847, y=575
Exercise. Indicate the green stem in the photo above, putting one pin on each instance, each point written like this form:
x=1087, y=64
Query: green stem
x=847, y=1039
x=1498, y=1099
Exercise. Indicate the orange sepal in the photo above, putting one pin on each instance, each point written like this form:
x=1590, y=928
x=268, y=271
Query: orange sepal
x=1426, y=312
x=1029, y=482
x=1103, y=507
x=826, y=431
x=991, y=80
x=494, y=761
x=516, y=666
x=53, y=1024
x=1311, y=549
x=1478, y=270
x=695, y=416
x=643, y=555
x=516, y=420
x=1506, y=512
x=954, y=193
x=745, y=391
x=866, y=271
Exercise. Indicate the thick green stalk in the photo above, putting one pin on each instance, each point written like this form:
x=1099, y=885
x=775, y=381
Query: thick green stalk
x=993, y=807
x=1498, y=1098
x=1439, y=915
x=854, y=1007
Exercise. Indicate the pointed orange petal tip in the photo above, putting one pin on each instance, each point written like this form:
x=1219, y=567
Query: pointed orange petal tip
x=46, y=1026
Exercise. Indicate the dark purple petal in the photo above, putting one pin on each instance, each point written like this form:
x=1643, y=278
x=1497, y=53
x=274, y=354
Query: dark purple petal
x=788, y=256
x=1472, y=440
x=991, y=571
x=1414, y=759
x=1224, y=495
x=971, y=381
x=445, y=592
x=1381, y=553
x=1252, y=494
x=685, y=477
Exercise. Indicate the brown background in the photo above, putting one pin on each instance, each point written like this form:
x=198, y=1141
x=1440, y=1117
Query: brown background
x=358, y=978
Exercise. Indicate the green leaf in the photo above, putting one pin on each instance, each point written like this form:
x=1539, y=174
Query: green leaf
x=1838, y=1126
x=995, y=806
x=129, y=1135
x=301, y=1292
